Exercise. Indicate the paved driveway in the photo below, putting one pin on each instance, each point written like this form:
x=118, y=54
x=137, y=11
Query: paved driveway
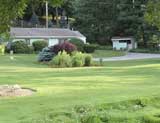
x=131, y=56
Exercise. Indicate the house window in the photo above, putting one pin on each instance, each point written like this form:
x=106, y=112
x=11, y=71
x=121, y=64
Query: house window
x=28, y=41
x=122, y=41
x=125, y=41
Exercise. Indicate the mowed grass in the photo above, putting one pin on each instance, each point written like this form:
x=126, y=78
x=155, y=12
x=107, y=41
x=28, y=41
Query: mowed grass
x=60, y=90
x=107, y=53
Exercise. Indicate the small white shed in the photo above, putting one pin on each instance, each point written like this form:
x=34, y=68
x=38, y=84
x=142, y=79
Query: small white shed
x=121, y=43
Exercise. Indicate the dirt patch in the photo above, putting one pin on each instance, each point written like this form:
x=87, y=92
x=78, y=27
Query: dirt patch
x=14, y=91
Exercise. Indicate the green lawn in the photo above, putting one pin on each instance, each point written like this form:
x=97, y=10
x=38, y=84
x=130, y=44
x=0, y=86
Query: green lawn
x=112, y=88
x=107, y=53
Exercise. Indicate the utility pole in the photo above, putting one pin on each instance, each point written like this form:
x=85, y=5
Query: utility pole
x=46, y=14
x=133, y=1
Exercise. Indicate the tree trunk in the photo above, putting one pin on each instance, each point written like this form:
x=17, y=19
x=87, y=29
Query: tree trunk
x=57, y=20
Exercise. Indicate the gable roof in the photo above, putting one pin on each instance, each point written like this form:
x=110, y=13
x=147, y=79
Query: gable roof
x=43, y=32
x=122, y=38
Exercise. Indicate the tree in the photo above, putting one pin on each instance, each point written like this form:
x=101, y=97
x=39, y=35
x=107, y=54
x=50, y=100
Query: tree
x=56, y=4
x=95, y=19
x=10, y=10
x=100, y=20
x=34, y=20
x=152, y=14
x=130, y=20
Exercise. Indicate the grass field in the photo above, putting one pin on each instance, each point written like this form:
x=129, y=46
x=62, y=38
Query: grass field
x=120, y=92
x=107, y=53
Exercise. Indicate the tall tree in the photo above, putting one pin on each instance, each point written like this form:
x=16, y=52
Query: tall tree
x=130, y=19
x=153, y=13
x=10, y=10
x=95, y=19
x=56, y=4
x=100, y=20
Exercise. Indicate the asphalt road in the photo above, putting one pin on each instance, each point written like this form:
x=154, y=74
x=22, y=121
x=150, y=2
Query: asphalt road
x=131, y=56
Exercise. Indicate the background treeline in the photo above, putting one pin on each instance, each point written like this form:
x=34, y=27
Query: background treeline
x=97, y=20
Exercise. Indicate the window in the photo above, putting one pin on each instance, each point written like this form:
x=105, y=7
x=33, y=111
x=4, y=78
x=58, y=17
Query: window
x=125, y=41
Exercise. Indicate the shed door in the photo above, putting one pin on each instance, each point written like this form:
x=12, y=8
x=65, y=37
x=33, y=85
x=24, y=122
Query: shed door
x=53, y=42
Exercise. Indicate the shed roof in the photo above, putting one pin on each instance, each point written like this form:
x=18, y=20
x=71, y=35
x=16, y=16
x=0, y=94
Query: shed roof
x=122, y=38
x=44, y=32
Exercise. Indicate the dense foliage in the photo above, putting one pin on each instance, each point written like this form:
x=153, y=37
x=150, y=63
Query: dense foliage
x=21, y=47
x=153, y=12
x=65, y=46
x=9, y=10
x=61, y=60
x=76, y=59
x=79, y=43
x=101, y=20
x=90, y=48
x=39, y=45
x=97, y=20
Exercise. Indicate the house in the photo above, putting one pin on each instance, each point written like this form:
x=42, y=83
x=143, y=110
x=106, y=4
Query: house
x=124, y=43
x=51, y=35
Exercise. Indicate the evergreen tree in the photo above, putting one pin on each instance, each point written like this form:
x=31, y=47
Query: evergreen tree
x=95, y=19
x=130, y=19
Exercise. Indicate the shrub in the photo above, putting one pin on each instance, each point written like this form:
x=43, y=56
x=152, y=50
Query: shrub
x=79, y=43
x=78, y=59
x=21, y=47
x=39, y=45
x=88, y=60
x=66, y=46
x=62, y=60
x=30, y=50
x=2, y=49
x=106, y=47
x=90, y=48
x=45, y=55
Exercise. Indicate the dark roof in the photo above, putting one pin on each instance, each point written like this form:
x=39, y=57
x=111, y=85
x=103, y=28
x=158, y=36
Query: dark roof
x=122, y=38
x=44, y=32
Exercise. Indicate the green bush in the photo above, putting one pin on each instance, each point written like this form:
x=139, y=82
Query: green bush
x=79, y=43
x=78, y=59
x=88, y=60
x=30, y=50
x=2, y=49
x=39, y=45
x=21, y=47
x=104, y=47
x=61, y=60
x=90, y=48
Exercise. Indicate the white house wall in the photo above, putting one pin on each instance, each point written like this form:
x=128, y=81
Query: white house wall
x=14, y=40
x=53, y=42
x=119, y=46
